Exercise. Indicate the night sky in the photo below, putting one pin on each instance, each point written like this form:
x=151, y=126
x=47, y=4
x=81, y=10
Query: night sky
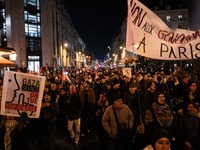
x=96, y=21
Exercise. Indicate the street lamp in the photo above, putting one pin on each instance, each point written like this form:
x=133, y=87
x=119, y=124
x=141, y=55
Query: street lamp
x=121, y=47
x=79, y=52
x=113, y=54
x=66, y=44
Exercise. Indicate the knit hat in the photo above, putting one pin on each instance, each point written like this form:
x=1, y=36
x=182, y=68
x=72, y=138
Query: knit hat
x=132, y=85
x=157, y=134
x=115, y=81
x=117, y=96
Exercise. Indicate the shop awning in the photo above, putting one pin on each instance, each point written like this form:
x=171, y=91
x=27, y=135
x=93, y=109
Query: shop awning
x=6, y=63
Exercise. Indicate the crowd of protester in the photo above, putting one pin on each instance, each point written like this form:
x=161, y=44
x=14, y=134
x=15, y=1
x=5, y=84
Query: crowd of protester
x=150, y=111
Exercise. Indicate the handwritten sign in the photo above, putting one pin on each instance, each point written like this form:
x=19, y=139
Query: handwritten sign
x=149, y=36
x=127, y=72
x=22, y=93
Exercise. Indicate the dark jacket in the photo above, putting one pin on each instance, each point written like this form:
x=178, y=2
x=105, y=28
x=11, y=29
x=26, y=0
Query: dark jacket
x=90, y=97
x=131, y=100
x=73, y=107
x=48, y=116
x=188, y=126
x=181, y=89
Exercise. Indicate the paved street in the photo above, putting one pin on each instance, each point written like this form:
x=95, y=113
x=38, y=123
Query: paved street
x=88, y=142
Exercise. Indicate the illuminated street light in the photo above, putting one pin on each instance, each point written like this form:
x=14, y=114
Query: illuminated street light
x=113, y=54
x=124, y=49
x=121, y=47
x=79, y=52
x=66, y=44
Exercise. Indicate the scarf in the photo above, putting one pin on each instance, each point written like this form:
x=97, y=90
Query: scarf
x=163, y=114
x=7, y=139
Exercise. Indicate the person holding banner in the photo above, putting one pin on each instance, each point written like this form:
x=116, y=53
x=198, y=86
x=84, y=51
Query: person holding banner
x=159, y=115
x=15, y=133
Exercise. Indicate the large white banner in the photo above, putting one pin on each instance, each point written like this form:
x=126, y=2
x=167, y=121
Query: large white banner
x=22, y=93
x=149, y=36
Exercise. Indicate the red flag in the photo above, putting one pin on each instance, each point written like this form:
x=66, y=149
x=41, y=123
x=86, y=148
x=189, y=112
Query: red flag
x=89, y=58
x=96, y=76
x=47, y=67
x=66, y=69
x=18, y=70
x=117, y=67
x=42, y=69
x=54, y=65
x=75, y=67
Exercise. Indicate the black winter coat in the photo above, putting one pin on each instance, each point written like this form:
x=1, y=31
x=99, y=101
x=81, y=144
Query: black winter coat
x=48, y=116
x=74, y=106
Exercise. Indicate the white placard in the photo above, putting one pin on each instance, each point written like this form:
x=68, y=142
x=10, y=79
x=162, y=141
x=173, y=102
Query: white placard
x=22, y=93
x=127, y=72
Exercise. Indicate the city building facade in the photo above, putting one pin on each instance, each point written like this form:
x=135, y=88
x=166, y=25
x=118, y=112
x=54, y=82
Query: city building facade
x=41, y=32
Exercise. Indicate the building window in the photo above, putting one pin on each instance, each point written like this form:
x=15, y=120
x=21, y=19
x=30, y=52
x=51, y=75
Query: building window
x=168, y=18
x=32, y=30
x=180, y=26
x=180, y=17
x=3, y=30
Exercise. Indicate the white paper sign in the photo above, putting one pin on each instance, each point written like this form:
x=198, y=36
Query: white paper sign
x=127, y=72
x=149, y=36
x=22, y=93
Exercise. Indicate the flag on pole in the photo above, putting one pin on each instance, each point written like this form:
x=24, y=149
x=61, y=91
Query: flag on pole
x=47, y=67
x=89, y=57
x=18, y=70
x=65, y=77
x=41, y=71
x=66, y=69
x=117, y=67
x=96, y=75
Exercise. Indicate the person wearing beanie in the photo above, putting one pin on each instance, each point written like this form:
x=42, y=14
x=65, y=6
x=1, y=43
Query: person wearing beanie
x=125, y=119
x=160, y=140
x=113, y=90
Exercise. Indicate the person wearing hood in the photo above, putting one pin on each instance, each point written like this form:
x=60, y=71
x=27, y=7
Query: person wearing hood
x=188, y=126
x=160, y=140
x=48, y=115
x=118, y=129
x=158, y=116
